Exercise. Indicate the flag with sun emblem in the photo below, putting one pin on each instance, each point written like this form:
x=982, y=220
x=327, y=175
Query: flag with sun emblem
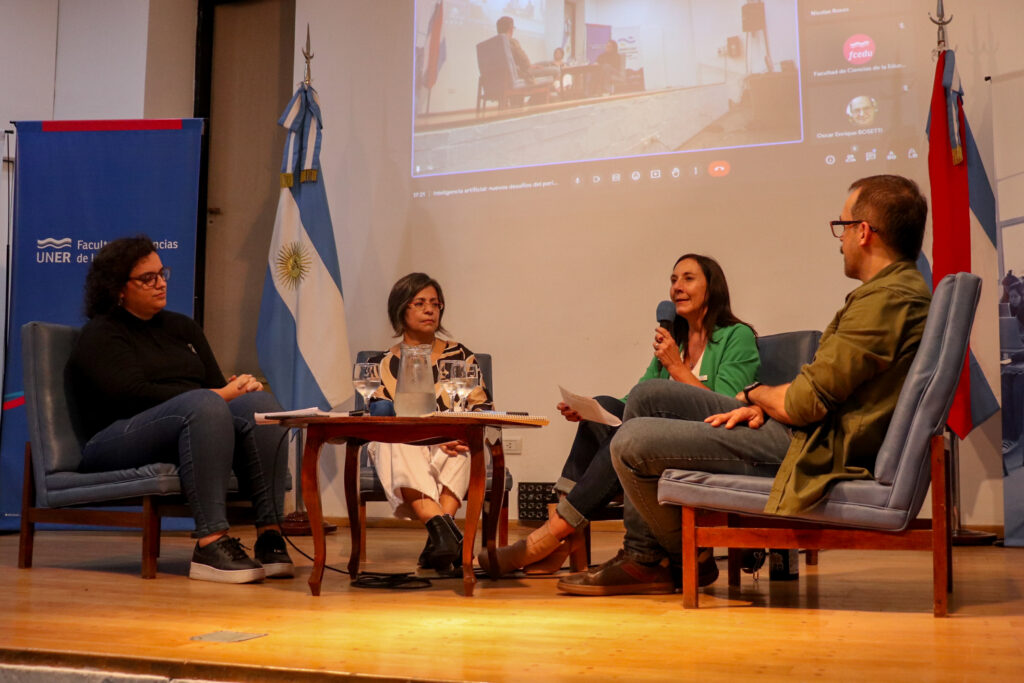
x=302, y=340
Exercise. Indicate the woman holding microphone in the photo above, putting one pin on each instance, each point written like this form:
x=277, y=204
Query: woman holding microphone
x=708, y=347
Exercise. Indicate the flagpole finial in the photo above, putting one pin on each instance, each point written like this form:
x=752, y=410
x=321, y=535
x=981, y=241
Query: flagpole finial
x=307, y=52
x=941, y=21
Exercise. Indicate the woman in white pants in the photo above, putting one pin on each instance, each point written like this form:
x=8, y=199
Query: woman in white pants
x=424, y=482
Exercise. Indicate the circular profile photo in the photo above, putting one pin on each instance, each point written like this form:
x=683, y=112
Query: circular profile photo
x=859, y=49
x=861, y=111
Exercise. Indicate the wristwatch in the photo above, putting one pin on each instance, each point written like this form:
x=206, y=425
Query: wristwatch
x=746, y=392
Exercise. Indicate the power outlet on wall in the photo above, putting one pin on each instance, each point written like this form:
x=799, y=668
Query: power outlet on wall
x=513, y=445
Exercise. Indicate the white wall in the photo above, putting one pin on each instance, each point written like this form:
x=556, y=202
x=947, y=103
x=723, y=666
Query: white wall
x=86, y=59
x=557, y=309
x=28, y=34
x=101, y=59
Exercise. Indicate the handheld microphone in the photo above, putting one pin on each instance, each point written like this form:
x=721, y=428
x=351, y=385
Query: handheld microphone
x=666, y=314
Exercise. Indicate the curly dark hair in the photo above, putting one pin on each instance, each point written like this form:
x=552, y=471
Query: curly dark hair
x=402, y=294
x=110, y=270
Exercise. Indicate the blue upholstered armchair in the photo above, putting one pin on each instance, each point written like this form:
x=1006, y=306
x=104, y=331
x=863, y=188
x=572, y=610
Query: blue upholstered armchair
x=54, y=490
x=879, y=513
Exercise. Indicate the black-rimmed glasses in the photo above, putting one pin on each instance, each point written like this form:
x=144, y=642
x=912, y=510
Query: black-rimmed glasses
x=839, y=227
x=149, y=279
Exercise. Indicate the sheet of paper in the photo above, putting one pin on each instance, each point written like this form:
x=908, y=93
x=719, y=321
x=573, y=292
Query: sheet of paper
x=588, y=408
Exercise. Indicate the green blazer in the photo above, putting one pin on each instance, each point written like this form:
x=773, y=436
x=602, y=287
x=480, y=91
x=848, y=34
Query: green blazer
x=730, y=361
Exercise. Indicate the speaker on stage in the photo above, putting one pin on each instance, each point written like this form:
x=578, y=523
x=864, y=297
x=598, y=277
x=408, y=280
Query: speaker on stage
x=753, y=17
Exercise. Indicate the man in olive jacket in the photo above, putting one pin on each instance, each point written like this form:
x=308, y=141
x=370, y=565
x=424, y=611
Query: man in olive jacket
x=824, y=426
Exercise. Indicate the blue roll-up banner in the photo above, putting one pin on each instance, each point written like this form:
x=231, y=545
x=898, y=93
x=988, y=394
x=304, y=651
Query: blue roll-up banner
x=77, y=186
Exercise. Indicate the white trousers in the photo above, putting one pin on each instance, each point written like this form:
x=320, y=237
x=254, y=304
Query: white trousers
x=426, y=469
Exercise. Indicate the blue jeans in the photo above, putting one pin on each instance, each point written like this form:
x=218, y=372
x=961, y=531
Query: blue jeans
x=663, y=429
x=206, y=437
x=588, y=478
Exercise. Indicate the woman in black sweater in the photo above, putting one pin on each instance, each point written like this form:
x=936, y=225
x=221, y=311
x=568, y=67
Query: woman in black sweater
x=151, y=391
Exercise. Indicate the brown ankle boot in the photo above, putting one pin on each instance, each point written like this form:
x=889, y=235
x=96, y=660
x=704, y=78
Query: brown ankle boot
x=533, y=548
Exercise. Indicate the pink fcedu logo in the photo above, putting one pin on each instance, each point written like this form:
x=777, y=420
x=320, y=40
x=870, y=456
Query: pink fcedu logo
x=859, y=49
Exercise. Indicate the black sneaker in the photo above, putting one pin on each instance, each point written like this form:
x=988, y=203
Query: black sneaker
x=224, y=561
x=270, y=551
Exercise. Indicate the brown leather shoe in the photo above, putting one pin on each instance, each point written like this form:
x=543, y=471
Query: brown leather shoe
x=533, y=548
x=620, y=576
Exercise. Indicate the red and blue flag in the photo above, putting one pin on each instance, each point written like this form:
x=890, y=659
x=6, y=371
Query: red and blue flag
x=959, y=186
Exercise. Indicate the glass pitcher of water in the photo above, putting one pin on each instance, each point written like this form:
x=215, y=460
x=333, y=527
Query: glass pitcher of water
x=414, y=392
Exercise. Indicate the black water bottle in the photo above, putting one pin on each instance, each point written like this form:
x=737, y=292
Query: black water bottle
x=783, y=565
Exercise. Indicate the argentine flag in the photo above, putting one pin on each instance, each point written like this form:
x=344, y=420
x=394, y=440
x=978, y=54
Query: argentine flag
x=302, y=340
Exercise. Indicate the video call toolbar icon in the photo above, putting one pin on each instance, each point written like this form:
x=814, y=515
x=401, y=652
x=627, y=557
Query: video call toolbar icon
x=719, y=169
x=635, y=175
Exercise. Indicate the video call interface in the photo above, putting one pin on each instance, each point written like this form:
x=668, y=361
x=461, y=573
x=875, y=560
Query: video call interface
x=628, y=92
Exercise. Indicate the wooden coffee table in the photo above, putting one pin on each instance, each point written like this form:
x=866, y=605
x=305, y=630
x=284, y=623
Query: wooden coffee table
x=356, y=431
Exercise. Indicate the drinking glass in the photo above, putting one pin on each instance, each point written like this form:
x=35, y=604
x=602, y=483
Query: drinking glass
x=366, y=380
x=465, y=385
x=447, y=372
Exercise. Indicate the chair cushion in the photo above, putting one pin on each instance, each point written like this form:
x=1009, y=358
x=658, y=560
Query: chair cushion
x=859, y=503
x=79, y=488
x=84, y=488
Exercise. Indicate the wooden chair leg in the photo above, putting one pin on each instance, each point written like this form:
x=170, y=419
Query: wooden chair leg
x=690, y=571
x=159, y=526
x=503, y=522
x=949, y=522
x=586, y=542
x=811, y=557
x=579, y=561
x=735, y=563
x=941, y=542
x=28, y=501
x=150, y=537
x=362, y=529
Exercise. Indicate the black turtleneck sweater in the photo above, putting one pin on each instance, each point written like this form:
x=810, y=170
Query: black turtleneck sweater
x=122, y=365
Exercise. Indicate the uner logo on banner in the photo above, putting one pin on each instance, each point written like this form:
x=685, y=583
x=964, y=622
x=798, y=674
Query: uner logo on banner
x=50, y=250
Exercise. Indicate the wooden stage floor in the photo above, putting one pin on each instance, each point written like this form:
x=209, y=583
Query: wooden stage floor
x=859, y=615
